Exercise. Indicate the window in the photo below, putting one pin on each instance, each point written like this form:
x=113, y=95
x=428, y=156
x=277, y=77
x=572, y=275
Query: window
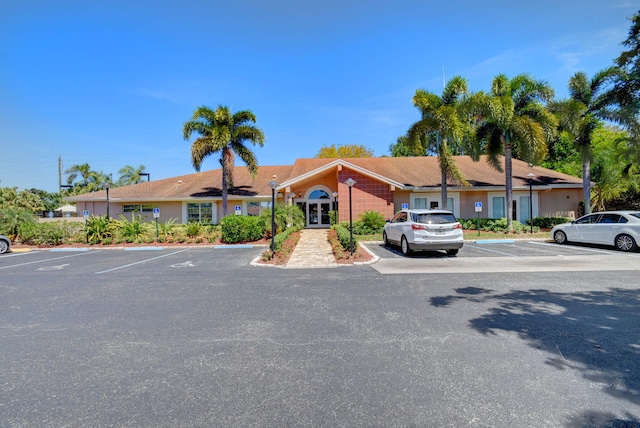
x=319, y=194
x=255, y=208
x=401, y=217
x=200, y=212
x=593, y=218
x=440, y=218
x=498, y=207
x=139, y=208
x=420, y=203
x=611, y=218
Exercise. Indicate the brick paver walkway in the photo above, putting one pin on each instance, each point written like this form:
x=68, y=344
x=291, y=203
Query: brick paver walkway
x=313, y=251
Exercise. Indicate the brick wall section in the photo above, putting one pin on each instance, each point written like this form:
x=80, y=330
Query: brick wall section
x=367, y=194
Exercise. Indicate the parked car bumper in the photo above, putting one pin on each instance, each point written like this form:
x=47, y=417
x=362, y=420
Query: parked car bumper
x=427, y=245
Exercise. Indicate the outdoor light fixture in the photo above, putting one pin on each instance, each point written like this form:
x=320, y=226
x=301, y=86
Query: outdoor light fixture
x=273, y=186
x=350, y=182
x=530, y=178
x=106, y=186
x=335, y=201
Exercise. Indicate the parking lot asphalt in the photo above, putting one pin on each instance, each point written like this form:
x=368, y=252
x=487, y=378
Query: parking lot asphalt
x=505, y=256
x=199, y=337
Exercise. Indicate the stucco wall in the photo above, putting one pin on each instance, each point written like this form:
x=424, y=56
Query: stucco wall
x=560, y=202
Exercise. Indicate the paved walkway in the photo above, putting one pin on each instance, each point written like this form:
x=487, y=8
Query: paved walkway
x=313, y=251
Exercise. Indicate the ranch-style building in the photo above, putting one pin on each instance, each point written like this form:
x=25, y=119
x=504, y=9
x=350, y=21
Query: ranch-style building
x=385, y=184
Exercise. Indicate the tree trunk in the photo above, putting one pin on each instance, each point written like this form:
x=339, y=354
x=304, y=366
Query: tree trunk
x=442, y=148
x=226, y=162
x=508, y=172
x=586, y=180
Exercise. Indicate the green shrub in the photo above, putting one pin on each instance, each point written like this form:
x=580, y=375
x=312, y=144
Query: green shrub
x=132, y=230
x=345, y=238
x=166, y=228
x=549, y=222
x=285, y=217
x=333, y=218
x=235, y=228
x=281, y=237
x=369, y=223
x=11, y=218
x=50, y=233
x=194, y=229
x=100, y=229
x=498, y=225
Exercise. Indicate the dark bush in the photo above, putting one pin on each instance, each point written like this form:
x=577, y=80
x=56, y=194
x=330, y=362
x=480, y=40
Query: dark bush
x=237, y=228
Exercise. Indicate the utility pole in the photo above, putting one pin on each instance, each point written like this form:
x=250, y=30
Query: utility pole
x=59, y=173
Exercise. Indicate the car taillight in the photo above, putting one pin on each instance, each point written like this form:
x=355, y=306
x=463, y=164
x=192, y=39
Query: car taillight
x=457, y=226
x=417, y=227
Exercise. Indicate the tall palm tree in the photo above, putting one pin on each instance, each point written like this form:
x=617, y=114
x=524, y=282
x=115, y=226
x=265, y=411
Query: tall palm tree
x=130, y=175
x=440, y=127
x=581, y=114
x=227, y=133
x=516, y=122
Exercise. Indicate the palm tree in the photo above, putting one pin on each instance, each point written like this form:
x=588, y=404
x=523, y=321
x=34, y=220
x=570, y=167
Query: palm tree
x=221, y=131
x=516, y=122
x=82, y=172
x=581, y=114
x=130, y=175
x=85, y=180
x=440, y=125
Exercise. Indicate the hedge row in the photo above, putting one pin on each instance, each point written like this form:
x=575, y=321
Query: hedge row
x=345, y=238
x=279, y=239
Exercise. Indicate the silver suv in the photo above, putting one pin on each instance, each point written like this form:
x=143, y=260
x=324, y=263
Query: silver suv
x=424, y=230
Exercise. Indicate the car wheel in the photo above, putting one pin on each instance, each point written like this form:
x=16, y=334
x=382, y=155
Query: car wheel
x=625, y=243
x=385, y=239
x=452, y=252
x=404, y=246
x=3, y=246
x=560, y=237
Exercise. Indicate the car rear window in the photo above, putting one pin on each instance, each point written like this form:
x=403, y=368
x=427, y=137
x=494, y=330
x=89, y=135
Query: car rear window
x=436, y=218
x=636, y=215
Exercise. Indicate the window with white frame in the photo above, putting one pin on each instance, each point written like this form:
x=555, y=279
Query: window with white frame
x=200, y=212
x=497, y=206
x=432, y=201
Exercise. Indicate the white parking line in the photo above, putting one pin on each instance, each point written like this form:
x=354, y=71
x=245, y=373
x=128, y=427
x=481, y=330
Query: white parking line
x=593, y=250
x=483, y=248
x=141, y=261
x=47, y=260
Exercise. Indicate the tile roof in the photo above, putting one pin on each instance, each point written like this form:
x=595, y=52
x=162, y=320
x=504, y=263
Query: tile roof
x=416, y=172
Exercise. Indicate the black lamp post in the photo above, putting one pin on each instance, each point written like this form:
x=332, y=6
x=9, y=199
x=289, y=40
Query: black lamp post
x=350, y=182
x=335, y=201
x=106, y=186
x=530, y=177
x=273, y=186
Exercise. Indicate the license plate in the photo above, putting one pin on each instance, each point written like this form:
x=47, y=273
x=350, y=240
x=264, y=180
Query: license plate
x=440, y=232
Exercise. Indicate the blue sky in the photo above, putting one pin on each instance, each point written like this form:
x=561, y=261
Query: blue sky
x=110, y=83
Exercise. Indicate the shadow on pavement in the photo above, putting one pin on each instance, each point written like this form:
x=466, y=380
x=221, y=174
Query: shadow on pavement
x=596, y=333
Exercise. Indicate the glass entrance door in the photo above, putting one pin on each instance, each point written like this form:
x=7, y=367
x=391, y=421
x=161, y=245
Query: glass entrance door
x=318, y=214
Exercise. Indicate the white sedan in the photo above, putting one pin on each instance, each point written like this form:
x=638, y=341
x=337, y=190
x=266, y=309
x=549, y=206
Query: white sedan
x=424, y=230
x=618, y=228
x=5, y=244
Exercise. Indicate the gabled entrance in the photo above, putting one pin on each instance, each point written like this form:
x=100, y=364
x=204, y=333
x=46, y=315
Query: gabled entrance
x=316, y=206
